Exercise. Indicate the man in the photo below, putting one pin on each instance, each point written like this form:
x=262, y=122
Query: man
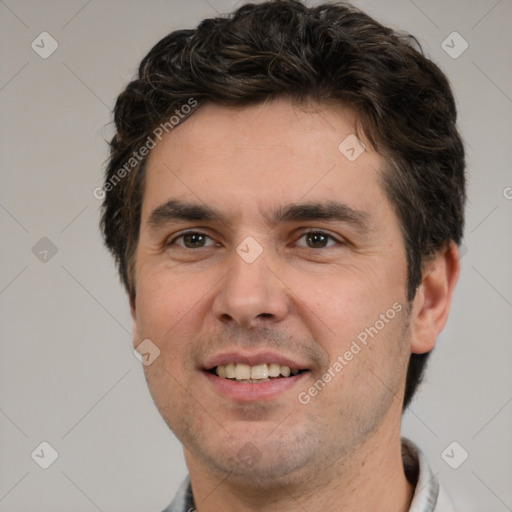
x=284, y=199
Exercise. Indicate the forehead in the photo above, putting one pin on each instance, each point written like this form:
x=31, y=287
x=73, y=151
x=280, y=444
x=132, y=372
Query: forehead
x=261, y=157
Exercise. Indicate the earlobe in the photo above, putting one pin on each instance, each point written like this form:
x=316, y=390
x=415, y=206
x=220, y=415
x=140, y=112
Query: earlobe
x=432, y=302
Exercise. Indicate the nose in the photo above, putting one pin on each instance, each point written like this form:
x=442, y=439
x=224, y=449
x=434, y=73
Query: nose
x=250, y=295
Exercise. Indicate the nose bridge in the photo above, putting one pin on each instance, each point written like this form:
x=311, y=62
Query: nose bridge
x=250, y=292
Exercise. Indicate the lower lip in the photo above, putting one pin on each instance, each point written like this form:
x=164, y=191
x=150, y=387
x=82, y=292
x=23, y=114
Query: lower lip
x=249, y=392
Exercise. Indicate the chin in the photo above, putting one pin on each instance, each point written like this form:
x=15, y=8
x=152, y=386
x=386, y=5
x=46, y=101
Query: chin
x=256, y=456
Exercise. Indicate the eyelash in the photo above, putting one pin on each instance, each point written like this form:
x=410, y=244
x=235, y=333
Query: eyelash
x=182, y=235
x=314, y=231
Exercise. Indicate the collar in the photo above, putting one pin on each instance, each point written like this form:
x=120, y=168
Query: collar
x=429, y=496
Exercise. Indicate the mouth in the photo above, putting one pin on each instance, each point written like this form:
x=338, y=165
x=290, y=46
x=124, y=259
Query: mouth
x=248, y=378
x=256, y=374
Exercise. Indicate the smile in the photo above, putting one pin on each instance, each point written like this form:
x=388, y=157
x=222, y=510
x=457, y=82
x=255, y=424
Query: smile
x=254, y=374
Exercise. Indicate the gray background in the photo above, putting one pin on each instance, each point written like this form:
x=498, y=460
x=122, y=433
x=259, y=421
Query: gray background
x=68, y=374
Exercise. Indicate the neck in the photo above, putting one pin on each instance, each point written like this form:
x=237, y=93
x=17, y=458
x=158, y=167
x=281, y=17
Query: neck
x=370, y=478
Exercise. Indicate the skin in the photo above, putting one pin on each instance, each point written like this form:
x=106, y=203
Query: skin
x=307, y=300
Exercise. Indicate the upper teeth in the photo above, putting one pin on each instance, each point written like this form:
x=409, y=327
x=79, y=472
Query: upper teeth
x=241, y=371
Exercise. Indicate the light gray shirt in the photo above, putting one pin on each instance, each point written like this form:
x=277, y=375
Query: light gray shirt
x=428, y=494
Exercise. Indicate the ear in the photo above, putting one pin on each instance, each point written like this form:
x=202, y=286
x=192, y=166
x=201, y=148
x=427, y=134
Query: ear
x=433, y=297
x=135, y=330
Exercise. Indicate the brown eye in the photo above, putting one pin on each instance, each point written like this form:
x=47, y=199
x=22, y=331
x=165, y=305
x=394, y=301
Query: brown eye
x=192, y=240
x=317, y=240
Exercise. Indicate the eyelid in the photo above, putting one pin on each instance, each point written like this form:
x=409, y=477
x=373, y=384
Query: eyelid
x=338, y=239
x=180, y=234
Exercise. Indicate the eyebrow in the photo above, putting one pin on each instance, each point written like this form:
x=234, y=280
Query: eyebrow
x=177, y=210
x=330, y=211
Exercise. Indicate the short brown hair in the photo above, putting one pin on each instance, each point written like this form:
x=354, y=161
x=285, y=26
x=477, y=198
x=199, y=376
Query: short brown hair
x=328, y=53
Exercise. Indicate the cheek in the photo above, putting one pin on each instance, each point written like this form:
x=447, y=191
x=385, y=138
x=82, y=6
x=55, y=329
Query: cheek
x=345, y=302
x=168, y=304
x=156, y=309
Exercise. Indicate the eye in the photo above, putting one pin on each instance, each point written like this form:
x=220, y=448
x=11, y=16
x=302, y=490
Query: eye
x=191, y=240
x=317, y=240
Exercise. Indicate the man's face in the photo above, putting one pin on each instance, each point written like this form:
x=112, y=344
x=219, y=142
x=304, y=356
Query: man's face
x=292, y=256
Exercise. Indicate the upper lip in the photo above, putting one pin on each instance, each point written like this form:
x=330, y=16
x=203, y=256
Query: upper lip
x=253, y=360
